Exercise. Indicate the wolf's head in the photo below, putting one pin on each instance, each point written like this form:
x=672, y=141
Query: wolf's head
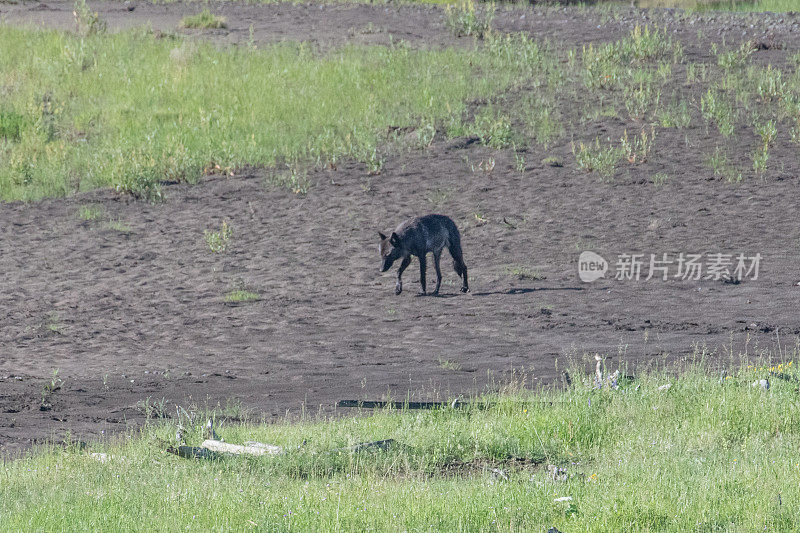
x=390, y=250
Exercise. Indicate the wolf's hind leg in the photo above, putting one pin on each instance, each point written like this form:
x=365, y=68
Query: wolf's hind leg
x=436, y=257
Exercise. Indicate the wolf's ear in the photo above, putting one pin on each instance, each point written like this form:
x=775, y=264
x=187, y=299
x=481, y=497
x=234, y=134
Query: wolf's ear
x=394, y=239
x=383, y=237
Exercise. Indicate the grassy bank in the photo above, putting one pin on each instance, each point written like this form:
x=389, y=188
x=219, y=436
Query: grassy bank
x=666, y=453
x=130, y=109
x=133, y=110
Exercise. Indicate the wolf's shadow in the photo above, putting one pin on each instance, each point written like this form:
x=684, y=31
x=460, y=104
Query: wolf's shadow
x=526, y=290
x=507, y=292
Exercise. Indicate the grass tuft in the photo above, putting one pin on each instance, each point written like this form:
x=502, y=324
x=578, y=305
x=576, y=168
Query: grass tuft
x=242, y=296
x=204, y=20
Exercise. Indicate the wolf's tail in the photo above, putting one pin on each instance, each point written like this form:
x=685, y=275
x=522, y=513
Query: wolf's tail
x=456, y=253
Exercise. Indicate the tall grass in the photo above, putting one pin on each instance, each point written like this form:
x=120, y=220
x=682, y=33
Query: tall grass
x=708, y=452
x=130, y=110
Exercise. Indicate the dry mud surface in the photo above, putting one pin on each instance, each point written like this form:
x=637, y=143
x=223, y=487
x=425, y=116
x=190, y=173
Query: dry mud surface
x=138, y=312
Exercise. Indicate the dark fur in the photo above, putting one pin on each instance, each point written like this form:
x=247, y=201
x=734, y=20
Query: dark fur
x=418, y=236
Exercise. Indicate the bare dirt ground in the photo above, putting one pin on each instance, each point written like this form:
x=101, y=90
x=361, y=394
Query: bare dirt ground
x=138, y=312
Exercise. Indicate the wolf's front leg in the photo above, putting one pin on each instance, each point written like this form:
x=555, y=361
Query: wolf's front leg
x=422, y=268
x=398, y=288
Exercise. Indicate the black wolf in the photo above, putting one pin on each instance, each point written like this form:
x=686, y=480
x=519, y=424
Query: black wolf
x=418, y=236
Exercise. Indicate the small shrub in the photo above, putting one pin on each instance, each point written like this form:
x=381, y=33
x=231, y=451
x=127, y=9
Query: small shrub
x=716, y=109
x=374, y=160
x=638, y=149
x=768, y=132
x=204, y=20
x=736, y=58
x=446, y=364
x=794, y=134
x=592, y=157
x=601, y=69
x=11, y=125
x=494, y=132
x=640, y=99
x=675, y=116
x=660, y=179
x=118, y=225
x=425, y=134
x=719, y=163
x=294, y=180
x=438, y=196
x=519, y=162
x=140, y=182
x=517, y=51
x=218, y=240
x=465, y=20
x=760, y=157
x=543, y=122
x=644, y=44
x=87, y=22
x=769, y=83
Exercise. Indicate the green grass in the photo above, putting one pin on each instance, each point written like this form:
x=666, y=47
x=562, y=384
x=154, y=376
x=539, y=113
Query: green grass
x=524, y=273
x=130, y=111
x=707, y=453
x=203, y=20
x=133, y=112
x=594, y=157
x=91, y=212
x=446, y=364
x=119, y=225
x=242, y=296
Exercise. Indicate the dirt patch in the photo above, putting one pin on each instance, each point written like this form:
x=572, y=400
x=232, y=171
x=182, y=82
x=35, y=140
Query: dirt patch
x=144, y=309
x=131, y=304
x=500, y=469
